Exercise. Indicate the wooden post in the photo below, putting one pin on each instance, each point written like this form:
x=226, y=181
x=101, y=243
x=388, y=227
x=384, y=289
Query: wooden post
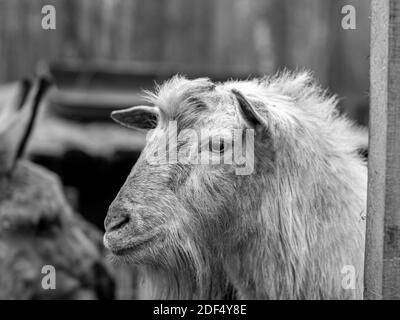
x=382, y=260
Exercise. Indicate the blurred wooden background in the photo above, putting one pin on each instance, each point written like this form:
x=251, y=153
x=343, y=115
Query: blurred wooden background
x=252, y=36
x=248, y=37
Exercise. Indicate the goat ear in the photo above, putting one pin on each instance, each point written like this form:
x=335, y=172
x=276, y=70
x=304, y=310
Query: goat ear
x=247, y=111
x=17, y=122
x=139, y=117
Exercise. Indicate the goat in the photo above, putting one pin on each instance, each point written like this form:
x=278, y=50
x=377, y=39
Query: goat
x=287, y=229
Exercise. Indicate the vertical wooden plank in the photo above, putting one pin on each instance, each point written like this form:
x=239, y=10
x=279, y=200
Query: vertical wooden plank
x=308, y=35
x=107, y=25
x=174, y=32
x=149, y=30
x=84, y=28
x=67, y=11
x=35, y=40
x=3, y=54
x=243, y=36
x=11, y=27
x=275, y=12
x=123, y=29
x=264, y=36
x=132, y=29
x=94, y=10
x=222, y=43
x=201, y=32
x=348, y=66
x=184, y=28
x=382, y=260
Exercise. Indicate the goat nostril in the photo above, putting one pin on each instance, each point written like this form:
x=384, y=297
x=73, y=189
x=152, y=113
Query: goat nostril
x=117, y=223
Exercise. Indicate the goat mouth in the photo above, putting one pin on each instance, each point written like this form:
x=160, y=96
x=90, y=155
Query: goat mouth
x=135, y=246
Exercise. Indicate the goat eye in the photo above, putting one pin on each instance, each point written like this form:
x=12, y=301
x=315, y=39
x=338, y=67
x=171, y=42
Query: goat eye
x=217, y=146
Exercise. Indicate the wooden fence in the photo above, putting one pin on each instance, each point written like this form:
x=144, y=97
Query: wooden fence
x=254, y=35
x=382, y=259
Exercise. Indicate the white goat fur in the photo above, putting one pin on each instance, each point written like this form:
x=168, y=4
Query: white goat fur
x=294, y=224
